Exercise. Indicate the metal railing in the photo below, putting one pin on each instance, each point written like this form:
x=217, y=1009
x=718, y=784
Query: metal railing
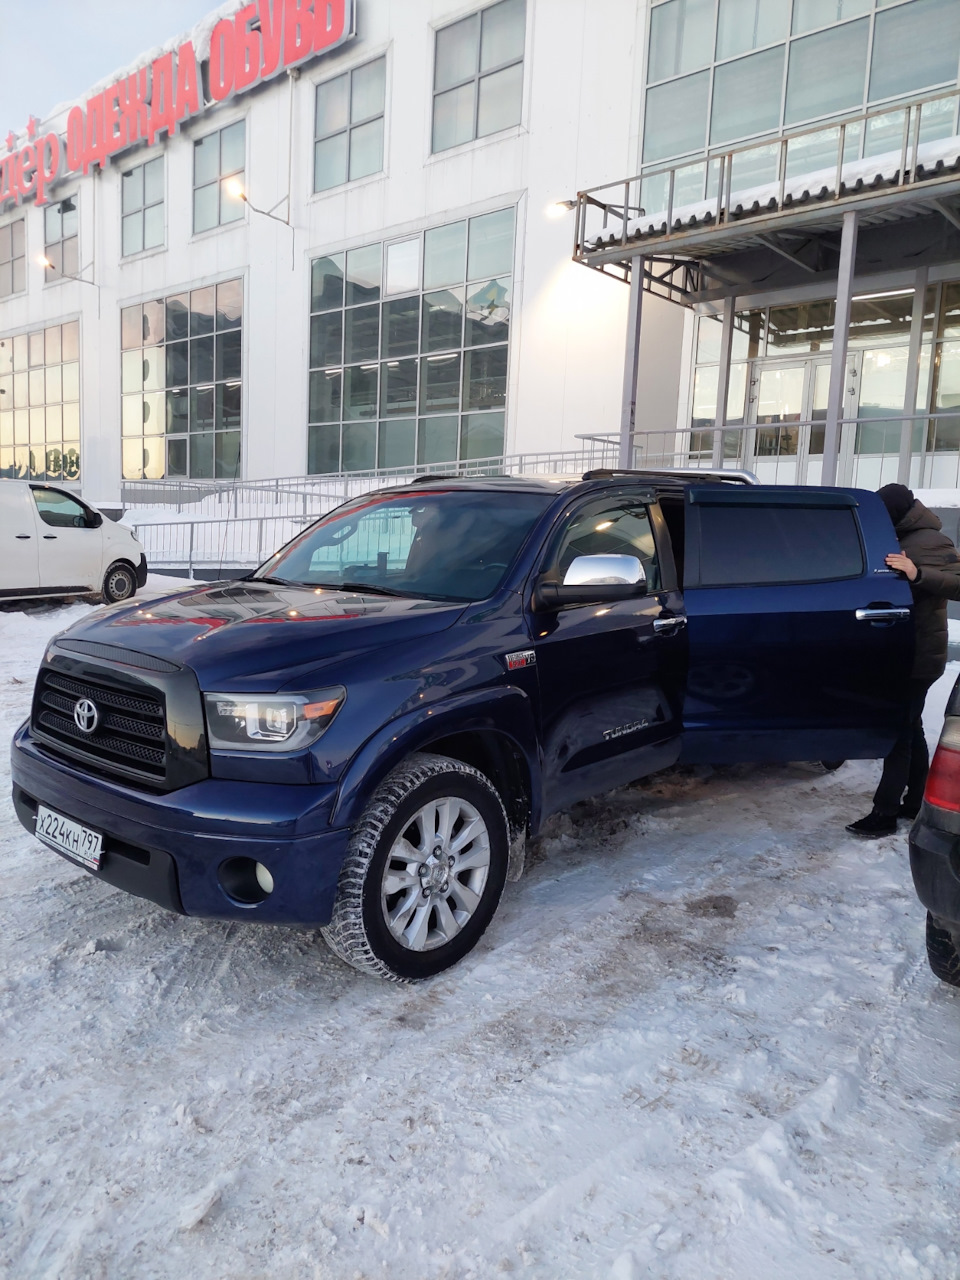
x=211, y=546
x=889, y=148
x=778, y=453
x=305, y=491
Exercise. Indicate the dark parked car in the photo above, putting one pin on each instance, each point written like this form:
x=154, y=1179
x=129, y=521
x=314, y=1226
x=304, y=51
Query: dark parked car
x=362, y=734
x=935, y=849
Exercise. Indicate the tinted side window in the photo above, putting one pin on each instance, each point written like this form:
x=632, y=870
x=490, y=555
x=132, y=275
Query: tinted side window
x=59, y=510
x=617, y=526
x=742, y=546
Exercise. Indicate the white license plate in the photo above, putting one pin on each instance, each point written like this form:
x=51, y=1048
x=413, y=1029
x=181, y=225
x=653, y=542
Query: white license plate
x=69, y=837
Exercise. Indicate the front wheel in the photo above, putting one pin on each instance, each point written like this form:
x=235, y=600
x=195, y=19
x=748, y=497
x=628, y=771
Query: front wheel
x=424, y=871
x=943, y=949
x=119, y=583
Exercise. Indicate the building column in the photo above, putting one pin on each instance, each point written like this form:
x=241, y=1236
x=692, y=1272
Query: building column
x=723, y=381
x=631, y=365
x=838, y=359
x=913, y=376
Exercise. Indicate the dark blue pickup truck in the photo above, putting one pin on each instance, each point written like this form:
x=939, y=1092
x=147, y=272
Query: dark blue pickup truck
x=362, y=734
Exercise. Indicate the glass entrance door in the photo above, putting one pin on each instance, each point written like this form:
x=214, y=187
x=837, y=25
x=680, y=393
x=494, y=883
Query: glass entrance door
x=788, y=406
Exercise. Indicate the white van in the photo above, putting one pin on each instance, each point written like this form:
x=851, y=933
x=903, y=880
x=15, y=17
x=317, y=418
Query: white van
x=53, y=544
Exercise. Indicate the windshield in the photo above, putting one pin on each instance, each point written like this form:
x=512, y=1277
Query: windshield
x=444, y=544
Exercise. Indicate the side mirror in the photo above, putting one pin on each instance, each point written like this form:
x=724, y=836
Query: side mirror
x=594, y=580
x=92, y=520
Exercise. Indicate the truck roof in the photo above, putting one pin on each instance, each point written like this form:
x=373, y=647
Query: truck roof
x=555, y=483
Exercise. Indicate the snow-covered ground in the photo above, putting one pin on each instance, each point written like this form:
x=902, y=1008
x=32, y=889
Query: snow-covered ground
x=699, y=1041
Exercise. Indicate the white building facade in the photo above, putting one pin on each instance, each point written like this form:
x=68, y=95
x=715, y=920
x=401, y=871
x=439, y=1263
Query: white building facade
x=341, y=249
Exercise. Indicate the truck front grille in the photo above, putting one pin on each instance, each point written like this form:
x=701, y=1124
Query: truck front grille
x=130, y=733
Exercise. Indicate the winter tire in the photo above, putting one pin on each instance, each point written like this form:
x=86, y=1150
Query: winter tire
x=424, y=871
x=943, y=949
x=120, y=583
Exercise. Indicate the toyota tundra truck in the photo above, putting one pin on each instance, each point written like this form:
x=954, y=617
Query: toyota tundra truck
x=361, y=735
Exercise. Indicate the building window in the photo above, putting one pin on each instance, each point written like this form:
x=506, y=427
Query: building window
x=770, y=67
x=181, y=384
x=408, y=348
x=13, y=259
x=142, y=203
x=478, y=74
x=40, y=404
x=219, y=161
x=61, y=239
x=349, y=126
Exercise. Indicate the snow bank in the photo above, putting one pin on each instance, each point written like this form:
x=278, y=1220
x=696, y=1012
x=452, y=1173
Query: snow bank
x=938, y=497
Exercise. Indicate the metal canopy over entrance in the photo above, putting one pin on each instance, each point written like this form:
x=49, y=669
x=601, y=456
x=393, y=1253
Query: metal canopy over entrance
x=880, y=191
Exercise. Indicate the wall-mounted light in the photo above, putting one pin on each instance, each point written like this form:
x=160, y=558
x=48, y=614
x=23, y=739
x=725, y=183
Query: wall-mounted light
x=234, y=187
x=44, y=261
x=560, y=207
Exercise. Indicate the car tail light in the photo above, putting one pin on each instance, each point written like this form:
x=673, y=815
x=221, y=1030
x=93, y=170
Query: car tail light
x=943, y=780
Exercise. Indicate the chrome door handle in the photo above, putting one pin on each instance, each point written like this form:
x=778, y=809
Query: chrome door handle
x=878, y=615
x=662, y=625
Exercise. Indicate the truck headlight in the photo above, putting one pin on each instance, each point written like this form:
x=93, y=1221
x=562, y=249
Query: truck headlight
x=253, y=722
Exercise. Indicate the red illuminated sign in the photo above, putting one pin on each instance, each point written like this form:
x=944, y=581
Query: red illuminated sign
x=261, y=39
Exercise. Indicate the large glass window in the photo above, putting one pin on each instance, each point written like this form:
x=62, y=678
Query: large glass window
x=13, y=259
x=681, y=37
x=408, y=348
x=810, y=14
x=40, y=404
x=750, y=24
x=724, y=71
x=478, y=74
x=914, y=45
x=142, y=204
x=676, y=120
x=746, y=96
x=349, y=126
x=181, y=384
x=61, y=239
x=219, y=161
x=826, y=72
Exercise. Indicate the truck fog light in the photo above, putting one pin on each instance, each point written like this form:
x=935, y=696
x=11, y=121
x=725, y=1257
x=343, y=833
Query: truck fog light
x=245, y=880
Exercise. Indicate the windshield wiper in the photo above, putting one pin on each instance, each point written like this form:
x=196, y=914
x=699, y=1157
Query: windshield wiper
x=368, y=587
x=276, y=582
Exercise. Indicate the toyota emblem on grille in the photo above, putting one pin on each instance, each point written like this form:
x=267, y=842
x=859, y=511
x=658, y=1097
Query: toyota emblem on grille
x=86, y=716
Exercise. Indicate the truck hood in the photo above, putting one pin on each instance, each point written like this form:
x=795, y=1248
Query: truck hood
x=256, y=634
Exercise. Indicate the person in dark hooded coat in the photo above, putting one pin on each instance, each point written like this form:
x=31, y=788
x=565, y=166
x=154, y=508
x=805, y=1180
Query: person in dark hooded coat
x=931, y=563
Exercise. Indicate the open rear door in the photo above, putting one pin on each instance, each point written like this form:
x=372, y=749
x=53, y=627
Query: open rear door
x=800, y=638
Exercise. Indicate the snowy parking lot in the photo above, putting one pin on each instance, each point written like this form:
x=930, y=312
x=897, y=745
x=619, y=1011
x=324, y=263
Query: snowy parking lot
x=699, y=1040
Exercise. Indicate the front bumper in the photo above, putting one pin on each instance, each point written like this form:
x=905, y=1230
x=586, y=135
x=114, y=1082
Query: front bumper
x=168, y=848
x=935, y=863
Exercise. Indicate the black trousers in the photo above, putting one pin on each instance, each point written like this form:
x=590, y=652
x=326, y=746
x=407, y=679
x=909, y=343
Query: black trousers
x=905, y=768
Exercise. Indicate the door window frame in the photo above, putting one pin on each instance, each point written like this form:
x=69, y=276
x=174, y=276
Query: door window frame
x=665, y=564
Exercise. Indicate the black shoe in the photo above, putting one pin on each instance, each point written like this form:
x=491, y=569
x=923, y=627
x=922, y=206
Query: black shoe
x=874, y=825
x=908, y=811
